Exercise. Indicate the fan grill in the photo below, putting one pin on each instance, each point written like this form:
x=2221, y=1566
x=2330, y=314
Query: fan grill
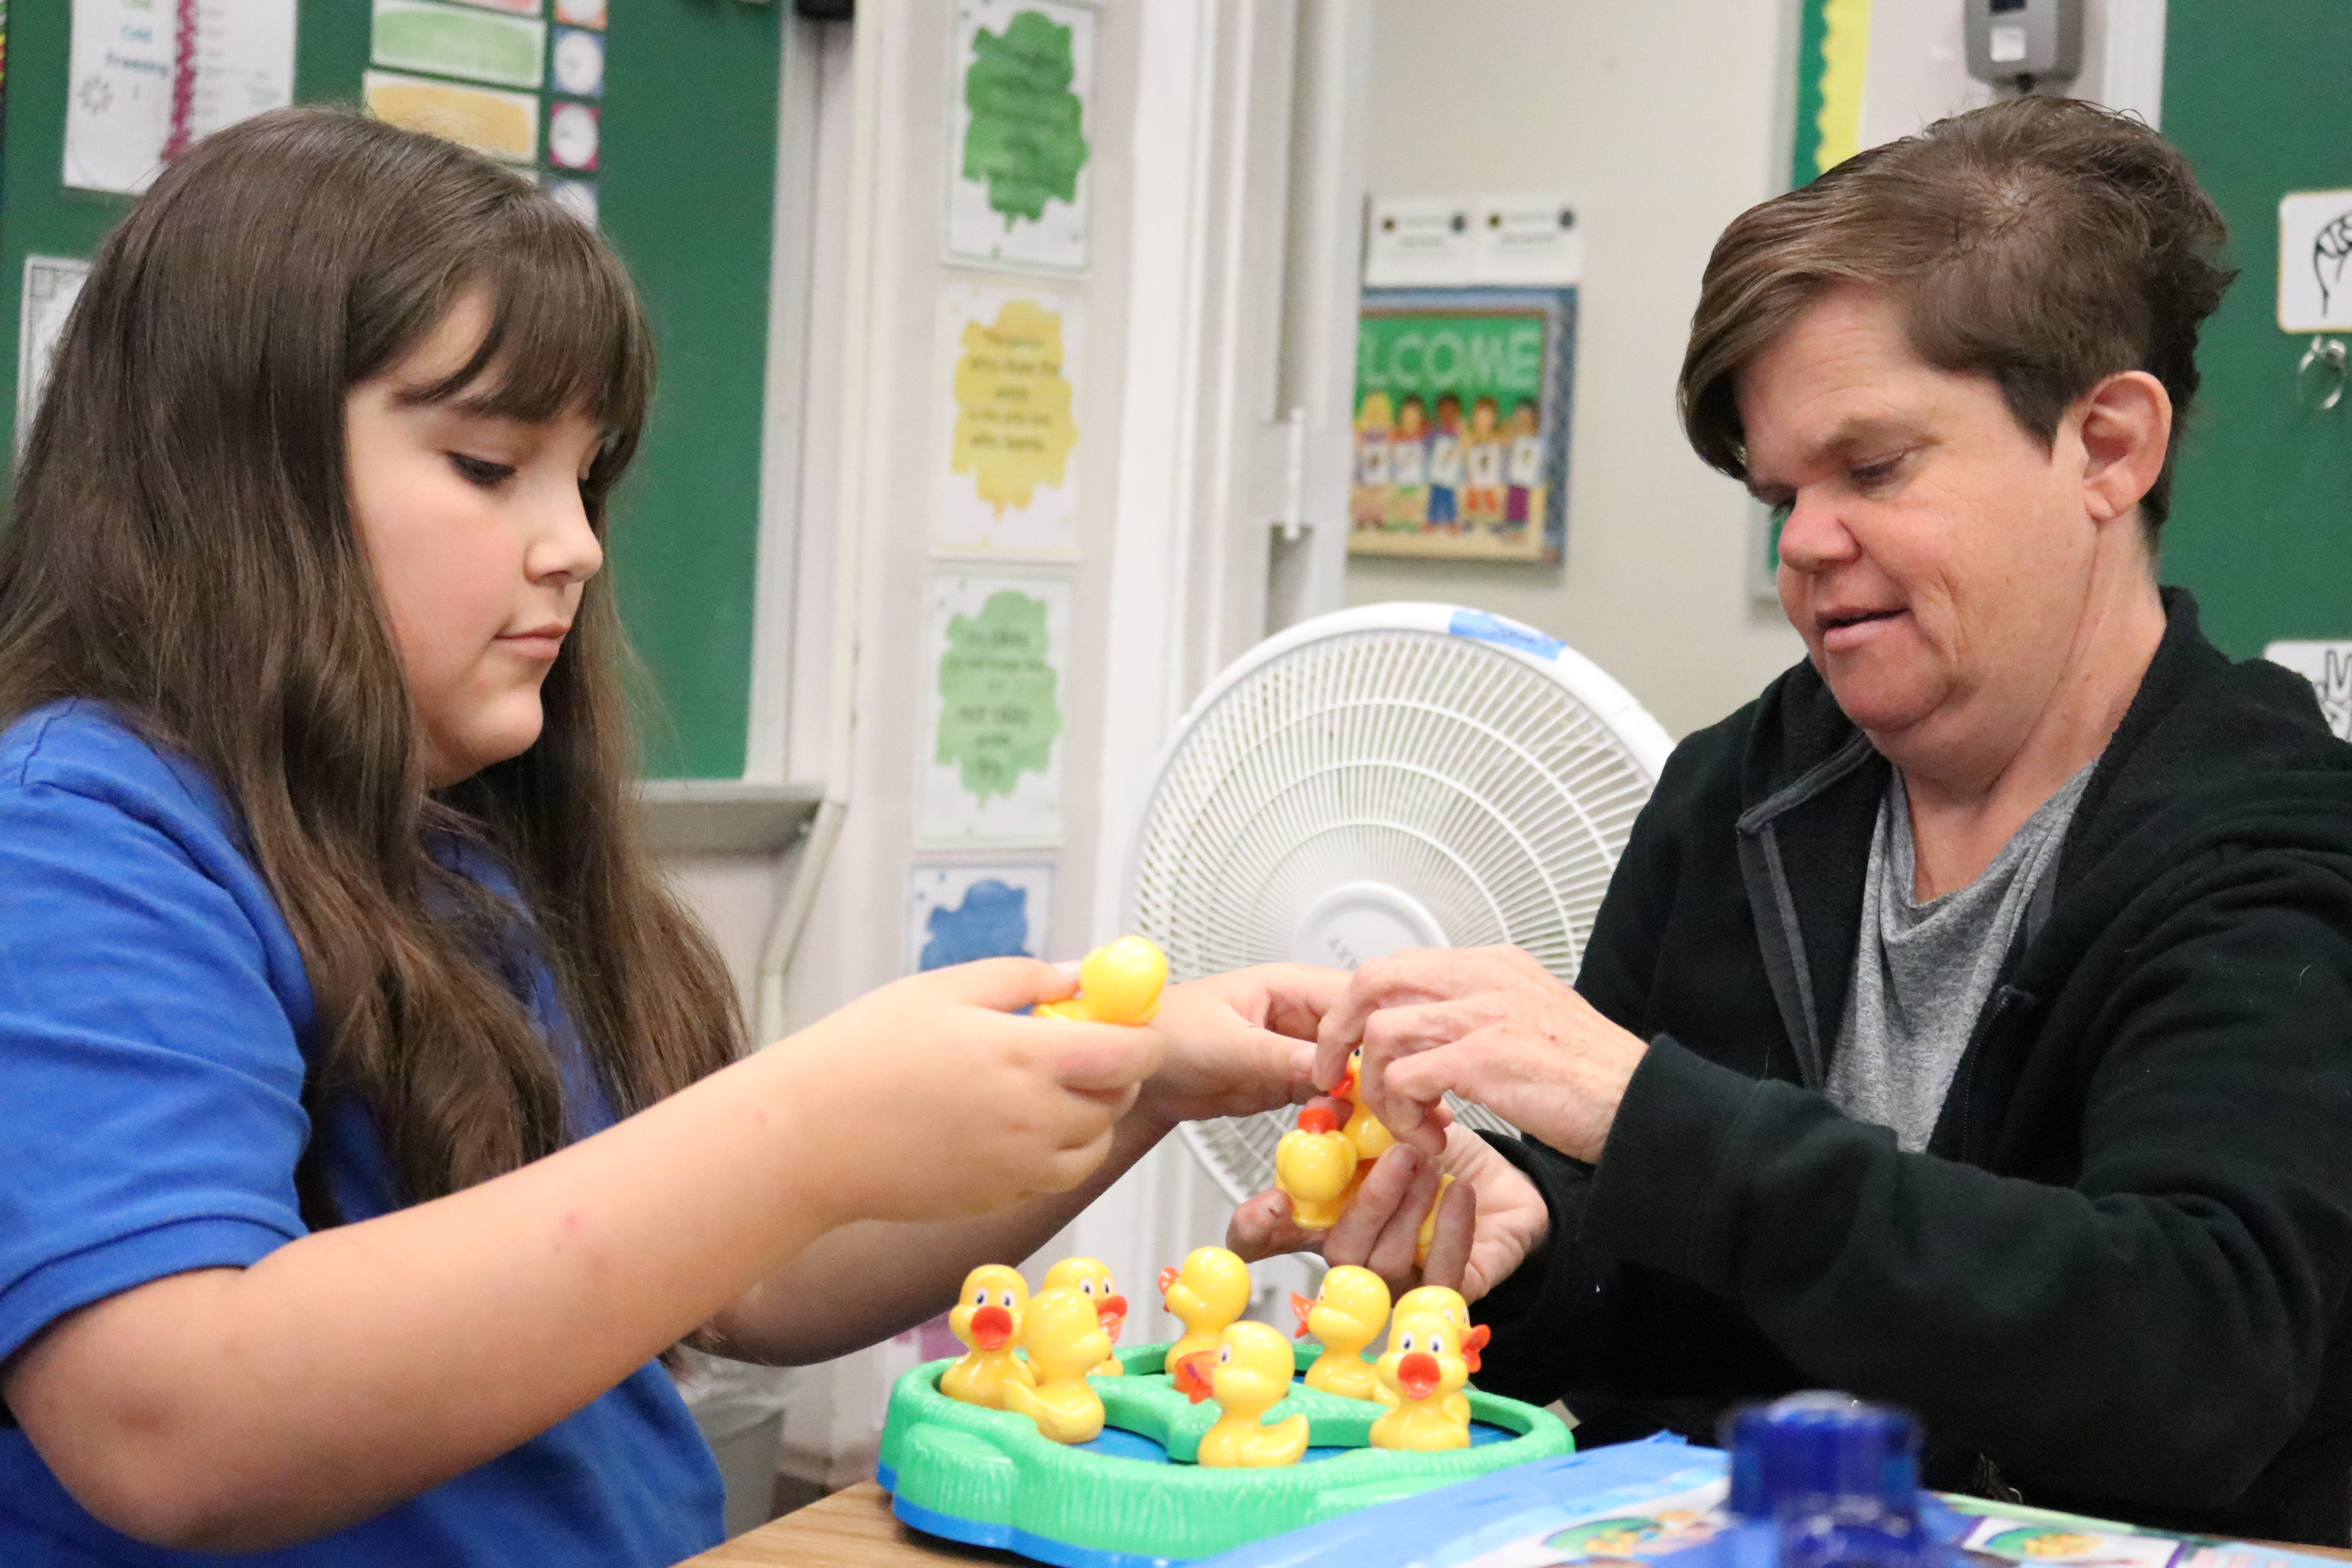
x=1457, y=774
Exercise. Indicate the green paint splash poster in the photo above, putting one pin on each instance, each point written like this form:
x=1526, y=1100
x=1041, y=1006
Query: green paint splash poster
x=994, y=657
x=1022, y=77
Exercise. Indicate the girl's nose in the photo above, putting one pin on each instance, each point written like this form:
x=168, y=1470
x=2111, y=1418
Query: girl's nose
x=566, y=549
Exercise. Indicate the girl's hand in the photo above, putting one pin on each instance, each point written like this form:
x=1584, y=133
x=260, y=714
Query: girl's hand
x=1491, y=1219
x=1239, y=1043
x=931, y=1099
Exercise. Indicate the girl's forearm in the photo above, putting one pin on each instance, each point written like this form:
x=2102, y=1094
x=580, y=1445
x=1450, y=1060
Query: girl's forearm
x=238, y=1409
x=868, y=1280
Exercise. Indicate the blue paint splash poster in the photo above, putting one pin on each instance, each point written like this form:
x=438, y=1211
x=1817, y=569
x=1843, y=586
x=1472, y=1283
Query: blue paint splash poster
x=960, y=911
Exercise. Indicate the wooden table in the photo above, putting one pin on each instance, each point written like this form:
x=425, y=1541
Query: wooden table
x=854, y=1528
x=851, y=1529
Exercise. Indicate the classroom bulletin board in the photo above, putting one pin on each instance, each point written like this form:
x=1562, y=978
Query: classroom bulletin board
x=671, y=146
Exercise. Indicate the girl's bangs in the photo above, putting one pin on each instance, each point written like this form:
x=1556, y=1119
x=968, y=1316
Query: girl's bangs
x=566, y=332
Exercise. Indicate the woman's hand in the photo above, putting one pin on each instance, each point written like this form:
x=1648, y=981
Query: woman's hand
x=931, y=1099
x=1490, y=1220
x=1489, y=1023
x=1239, y=1043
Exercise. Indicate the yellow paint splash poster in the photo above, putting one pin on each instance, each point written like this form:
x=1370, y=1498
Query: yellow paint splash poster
x=1009, y=390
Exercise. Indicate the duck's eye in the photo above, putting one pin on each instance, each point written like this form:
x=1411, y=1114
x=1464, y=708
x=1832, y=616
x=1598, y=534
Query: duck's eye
x=1225, y=1356
x=1437, y=1344
x=1086, y=1286
x=1405, y=1343
x=980, y=1297
x=1005, y=1298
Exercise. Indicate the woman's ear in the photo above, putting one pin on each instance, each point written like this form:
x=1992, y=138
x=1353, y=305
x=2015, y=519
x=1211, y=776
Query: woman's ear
x=2126, y=428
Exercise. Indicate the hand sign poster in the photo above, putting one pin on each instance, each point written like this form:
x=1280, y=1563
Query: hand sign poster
x=2315, y=291
x=1021, y=76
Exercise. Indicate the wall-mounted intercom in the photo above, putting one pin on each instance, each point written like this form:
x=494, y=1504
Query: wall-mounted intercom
x=2019, y=42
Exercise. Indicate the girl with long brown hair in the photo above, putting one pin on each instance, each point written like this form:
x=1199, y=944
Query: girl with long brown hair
x=370, y=1118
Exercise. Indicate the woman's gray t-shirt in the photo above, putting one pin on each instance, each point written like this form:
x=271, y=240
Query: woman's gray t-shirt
x=1922, y=971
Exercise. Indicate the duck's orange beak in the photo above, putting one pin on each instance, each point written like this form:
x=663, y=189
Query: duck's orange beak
x=1111, y=1313
x=1302, y=1305
x=991, y=1328
x=1473, y=1342
x=1190, y=1378
x=1417, y=1375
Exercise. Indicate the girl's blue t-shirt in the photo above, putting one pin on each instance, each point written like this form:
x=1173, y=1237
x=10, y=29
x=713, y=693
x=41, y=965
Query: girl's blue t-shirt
x=154, y=1021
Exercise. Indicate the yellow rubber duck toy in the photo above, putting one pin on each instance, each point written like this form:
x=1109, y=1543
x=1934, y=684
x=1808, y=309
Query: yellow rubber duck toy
x=1373, y=1139
x=1446, y=1302
x=1315, y=1162
x=1207, y=1293
x=1428, y=1231
x=1064, y=1337
x=987, y=1319
x=1423, y=1369
x=1366, y=1131
x=1449, y=1305
x=1090, y=1277
x=1251, y=1376
x=1347, y=1314
x=1119, y=982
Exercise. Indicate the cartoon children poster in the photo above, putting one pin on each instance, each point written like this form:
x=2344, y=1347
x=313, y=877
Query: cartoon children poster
x=1461, y=423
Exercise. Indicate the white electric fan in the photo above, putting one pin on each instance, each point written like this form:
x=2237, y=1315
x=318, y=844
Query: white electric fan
x=1396, y=776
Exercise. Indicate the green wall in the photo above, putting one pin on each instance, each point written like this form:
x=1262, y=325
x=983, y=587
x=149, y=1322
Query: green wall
x=688, y=197
x=2262, y=517
x=686, y=187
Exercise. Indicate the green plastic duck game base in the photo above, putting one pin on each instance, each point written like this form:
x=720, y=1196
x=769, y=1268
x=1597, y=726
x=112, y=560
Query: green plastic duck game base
x=1133, y=1498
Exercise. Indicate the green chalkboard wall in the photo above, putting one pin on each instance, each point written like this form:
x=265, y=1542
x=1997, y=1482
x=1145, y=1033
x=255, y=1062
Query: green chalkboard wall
x=686, y=183
x=2261, y=518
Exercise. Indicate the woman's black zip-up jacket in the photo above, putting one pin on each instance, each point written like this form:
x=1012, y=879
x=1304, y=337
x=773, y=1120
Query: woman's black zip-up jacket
x=2116, y=1282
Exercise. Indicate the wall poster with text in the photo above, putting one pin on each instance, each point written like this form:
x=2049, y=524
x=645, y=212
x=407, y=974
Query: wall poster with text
x=1461, y=409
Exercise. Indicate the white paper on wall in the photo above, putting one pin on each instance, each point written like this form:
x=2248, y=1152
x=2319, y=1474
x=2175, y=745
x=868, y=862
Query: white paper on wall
x=141, y=88
x=962, y=910
x=2315, y=285
x=52, y=284
x=1008, y=435
x=1020, y=134
x=992, y=728
x=2328, y=667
